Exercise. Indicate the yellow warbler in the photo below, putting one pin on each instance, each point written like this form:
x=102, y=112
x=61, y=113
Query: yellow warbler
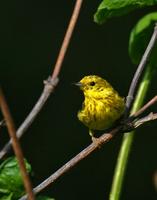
x=102, y=105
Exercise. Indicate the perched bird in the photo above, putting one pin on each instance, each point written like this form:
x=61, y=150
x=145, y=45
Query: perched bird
x=102, y=105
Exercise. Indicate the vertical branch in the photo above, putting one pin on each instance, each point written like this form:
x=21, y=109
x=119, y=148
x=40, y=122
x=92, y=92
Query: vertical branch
x=16, y=145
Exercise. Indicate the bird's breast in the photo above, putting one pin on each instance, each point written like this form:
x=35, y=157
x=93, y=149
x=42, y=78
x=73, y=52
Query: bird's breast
x=99, y=114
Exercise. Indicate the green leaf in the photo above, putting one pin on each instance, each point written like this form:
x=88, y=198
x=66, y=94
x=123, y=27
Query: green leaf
x=44, y=198
x=112, y=8
x=10, y=178
x=6, y=197
x=140, y=36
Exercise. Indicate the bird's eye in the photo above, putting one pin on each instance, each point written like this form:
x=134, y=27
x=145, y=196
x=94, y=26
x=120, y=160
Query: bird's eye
x=92, y=83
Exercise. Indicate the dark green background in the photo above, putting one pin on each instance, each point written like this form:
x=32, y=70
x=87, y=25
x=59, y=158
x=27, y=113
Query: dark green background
x=31, y=35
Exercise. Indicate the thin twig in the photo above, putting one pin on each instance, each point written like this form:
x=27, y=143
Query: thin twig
x=145, y=107
x=16, y=145
x=67, y=38
x=52, y=81
x=141, y=110
x=148, y=118
x=139, y=71
x=130, y=125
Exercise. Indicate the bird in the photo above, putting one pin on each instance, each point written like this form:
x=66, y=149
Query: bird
x=102, y=105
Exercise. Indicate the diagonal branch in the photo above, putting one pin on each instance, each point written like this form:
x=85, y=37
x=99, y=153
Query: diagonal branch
x=16, y=145
x=52, y=81
x=82, y=155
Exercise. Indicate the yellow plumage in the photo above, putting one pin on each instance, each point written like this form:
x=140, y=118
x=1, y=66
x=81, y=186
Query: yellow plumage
x=102, y=105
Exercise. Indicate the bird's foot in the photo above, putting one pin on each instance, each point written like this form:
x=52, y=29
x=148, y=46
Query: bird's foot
x=95, y=140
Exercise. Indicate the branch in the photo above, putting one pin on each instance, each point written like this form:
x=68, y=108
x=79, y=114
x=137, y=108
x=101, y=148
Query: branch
x=139, y=71
x=148, y=118
x=16, y=145
x=67, y=38
x=145, y=107
x=106, y=137
x=52, y=81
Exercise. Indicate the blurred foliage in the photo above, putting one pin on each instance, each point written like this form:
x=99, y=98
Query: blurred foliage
x=10, y=178
x=44, y=198
x=6, y=197
x=108, y=9
x=11, y=184
x=140, y=36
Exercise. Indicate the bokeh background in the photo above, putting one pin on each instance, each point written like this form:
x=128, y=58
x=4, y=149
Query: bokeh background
x=31, y=35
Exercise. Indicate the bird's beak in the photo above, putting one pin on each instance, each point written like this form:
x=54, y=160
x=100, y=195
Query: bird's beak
x=79, y=84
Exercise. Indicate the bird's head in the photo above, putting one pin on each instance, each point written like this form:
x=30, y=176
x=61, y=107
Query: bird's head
x=92, y=85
